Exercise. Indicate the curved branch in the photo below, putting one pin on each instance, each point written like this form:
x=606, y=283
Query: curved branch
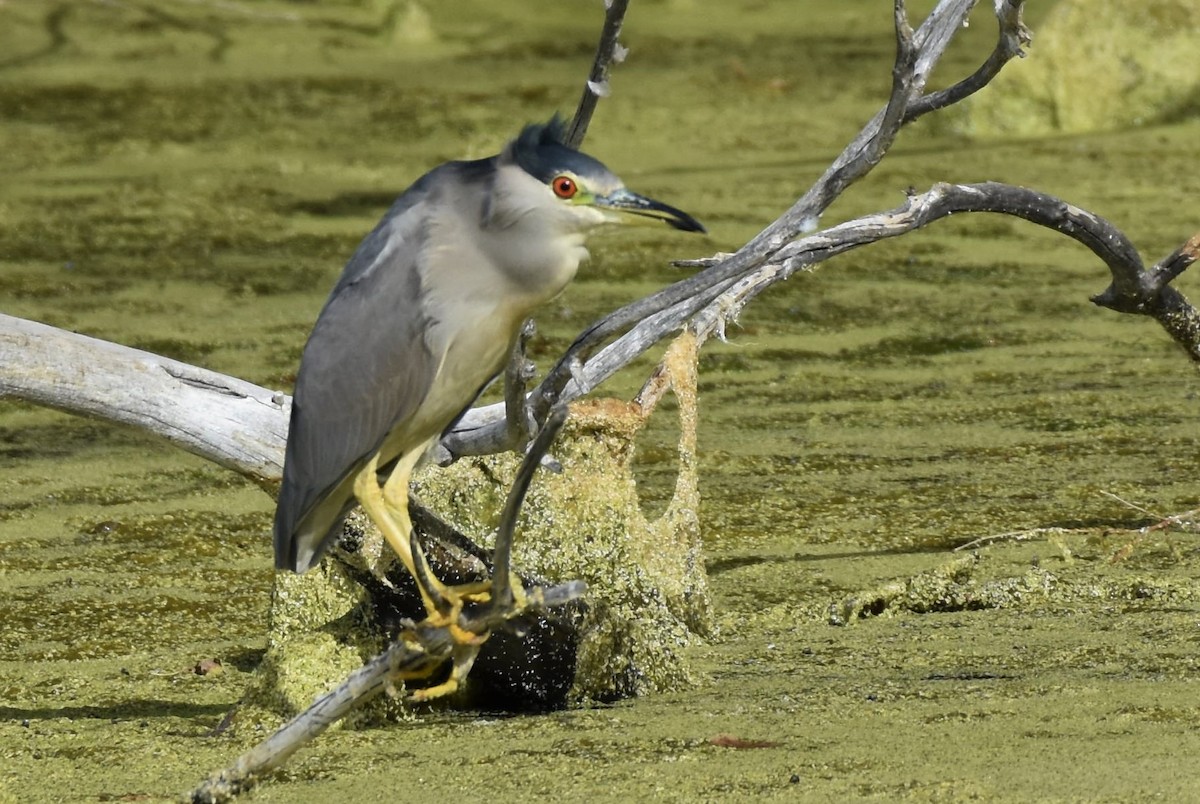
x=1134, y=289
x=917, y=53
x=1148, y=293
x=1013, y=37
x=1105, y=240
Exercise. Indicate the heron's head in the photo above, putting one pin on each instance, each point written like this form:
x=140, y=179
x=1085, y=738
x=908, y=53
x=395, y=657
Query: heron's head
x=583, y=185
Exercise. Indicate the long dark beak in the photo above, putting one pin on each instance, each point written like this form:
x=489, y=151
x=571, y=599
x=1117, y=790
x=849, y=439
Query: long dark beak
x=627, y=201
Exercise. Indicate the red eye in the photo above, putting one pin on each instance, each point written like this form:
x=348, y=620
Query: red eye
x=564, y=186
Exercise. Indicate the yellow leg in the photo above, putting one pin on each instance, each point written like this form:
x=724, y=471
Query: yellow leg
x=395, y=493
x=373, y=498
x=387, y=506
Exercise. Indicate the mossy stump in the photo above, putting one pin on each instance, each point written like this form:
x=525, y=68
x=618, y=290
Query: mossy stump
x=647, y=594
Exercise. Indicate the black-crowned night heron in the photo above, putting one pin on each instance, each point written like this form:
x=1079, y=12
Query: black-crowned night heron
x=423, y=318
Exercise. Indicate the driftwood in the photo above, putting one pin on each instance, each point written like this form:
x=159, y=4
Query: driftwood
x=231, y=422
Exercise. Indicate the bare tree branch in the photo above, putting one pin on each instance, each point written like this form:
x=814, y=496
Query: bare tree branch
x=229, y=421
x=420, y=650
x=1147, y=293
x=1013, y=37
x=1175, y=263
x=608, y=51
x=930, y=41
x=646, y=321
x=1097, y=234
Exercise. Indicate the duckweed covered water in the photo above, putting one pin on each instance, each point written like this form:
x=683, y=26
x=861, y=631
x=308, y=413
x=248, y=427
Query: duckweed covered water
x=189, y=179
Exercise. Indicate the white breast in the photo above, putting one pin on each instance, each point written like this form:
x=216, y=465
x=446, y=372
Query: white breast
x=480, y=282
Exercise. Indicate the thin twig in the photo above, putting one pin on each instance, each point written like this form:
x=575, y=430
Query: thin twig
x=1012, y=535
x=597, y=83
x=502, y=593
x=1129, y=504
x=1174, y=264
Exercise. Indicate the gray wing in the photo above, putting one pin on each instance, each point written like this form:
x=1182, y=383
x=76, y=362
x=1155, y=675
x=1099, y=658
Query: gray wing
x=365, y=367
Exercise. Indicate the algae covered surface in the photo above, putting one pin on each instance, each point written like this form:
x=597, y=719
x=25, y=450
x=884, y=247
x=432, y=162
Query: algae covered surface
x=189, y=177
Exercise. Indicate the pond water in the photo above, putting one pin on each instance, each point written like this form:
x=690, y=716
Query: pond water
x=188, y=178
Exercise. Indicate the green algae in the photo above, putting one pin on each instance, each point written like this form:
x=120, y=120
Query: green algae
x=192, y=181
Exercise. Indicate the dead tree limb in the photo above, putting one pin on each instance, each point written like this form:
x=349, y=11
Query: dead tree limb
x=609, y=51
x=1134, y=290
x=231, y=422
x=636, y=327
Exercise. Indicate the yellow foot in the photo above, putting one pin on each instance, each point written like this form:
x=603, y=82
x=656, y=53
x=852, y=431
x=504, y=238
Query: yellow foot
x=464, y=658
x=476, y=592
x=466, y=643
x=481, y=592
